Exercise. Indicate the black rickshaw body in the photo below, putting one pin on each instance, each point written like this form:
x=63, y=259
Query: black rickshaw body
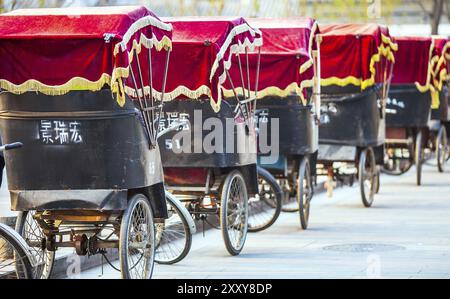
x=81, y=152
x=297, y=131
x=351, y=119
x=407, y=107
x=235, y=147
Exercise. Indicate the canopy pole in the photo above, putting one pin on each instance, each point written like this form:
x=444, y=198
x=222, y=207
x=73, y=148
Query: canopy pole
x=258, y=66
x=163, y=90
x=234, y=92
x=248, y=74
x=246, y=116
x=141, y=105
x=144, y=97
x=150, y=79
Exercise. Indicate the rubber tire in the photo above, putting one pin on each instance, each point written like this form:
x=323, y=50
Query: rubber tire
x=123, y=238
x=223, y=212
x=187, y=243
x=50, y=255
x=365, y=154
x=441, y=152
x=418, y=157
x=304, y=172
x=18, y=249
x=270, y=179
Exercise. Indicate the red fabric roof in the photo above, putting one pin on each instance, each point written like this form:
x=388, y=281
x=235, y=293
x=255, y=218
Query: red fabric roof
x=413, y=61
x=201, y=53
x=58, y=50
x=286, y=52
x=350, y=54
x=441, y=61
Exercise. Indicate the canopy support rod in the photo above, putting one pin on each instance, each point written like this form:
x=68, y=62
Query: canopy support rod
x=163, y=90
x=248, y=74
x=150, y=79
x=234, y=91
x=141, y=105
x=144, y=98
x=246, y=116
x=258, y=66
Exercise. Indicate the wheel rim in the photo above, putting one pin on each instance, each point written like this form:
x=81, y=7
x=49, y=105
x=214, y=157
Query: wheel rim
x=171, y=236
x=419, y=157
x=140, y=242
x=263, y=206
x=442, y=148
x=12, y=262
x=368, y=177
x=237, y=213
x=33, y=233
x=305, y=195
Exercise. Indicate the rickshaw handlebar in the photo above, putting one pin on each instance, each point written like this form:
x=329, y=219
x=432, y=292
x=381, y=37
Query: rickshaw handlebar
x=11, y=146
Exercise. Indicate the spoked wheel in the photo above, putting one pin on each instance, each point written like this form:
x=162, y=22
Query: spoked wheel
x=367, y=173
x=418, y=157
x=265, y=207
x=14, y=256
x=234, y=212
x=441, y=148
x=173, y=237
x=137, y=239
x=305, y=192
x=33, y=234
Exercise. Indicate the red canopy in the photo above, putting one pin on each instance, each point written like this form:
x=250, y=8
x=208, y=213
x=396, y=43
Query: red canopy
x=286, y=57
x=202, y=52
x=413, y=62
x=55, y=51
x=350, y=54
x=440, y=61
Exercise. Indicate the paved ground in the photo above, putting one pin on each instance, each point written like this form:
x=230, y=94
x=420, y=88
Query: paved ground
x=404, y=235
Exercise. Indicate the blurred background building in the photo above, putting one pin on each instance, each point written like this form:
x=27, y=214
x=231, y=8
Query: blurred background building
x=404, y=16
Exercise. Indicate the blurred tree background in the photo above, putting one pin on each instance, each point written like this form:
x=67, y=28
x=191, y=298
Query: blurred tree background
x=432, y=12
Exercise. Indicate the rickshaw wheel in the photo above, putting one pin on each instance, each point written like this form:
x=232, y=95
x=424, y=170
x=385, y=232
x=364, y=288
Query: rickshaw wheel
x=305, y=192
x=31, y=231
x=265, y=208
x=14, y=261
x=418, y=157
x=234, y=212
x=367, y=176
x=137, y=239
x=173, y=232
x=441, y=148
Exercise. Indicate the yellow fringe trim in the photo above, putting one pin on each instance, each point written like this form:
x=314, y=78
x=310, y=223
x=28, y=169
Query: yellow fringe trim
x=76, y=83
x=291, y=89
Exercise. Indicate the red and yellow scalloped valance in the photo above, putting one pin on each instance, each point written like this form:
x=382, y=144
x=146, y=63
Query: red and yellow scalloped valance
x=351, y=54
x=55, y=51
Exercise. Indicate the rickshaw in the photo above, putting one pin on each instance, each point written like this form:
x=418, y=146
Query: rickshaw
x=408, y=107
x=79, y=90
x=287, y=116
x=210, y=160
x=440, y=114
x=356, y=68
